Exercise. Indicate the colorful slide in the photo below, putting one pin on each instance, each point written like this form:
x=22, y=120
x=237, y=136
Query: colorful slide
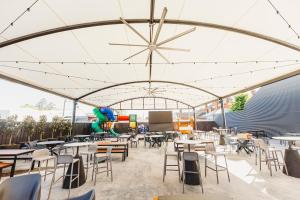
x=103, y=115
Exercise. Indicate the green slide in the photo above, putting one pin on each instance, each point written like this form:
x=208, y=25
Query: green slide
x=101, y=118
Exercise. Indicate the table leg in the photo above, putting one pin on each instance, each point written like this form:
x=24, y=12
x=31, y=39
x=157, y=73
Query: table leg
x=81, y=172
x=12, y=171
x=292, y=160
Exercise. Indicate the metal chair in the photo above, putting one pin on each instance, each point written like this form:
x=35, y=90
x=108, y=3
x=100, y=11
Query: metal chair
x=210, y=150
x=193, y=157
x=41, y=156
x=90, y=195
x=92, y=149
x=271, y=156
x=66, y=160
x=21, y=187
x=166, y=165
x=134, y=141
x=107, y=159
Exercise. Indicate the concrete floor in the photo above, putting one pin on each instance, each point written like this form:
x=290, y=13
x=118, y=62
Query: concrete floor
x=140, y=178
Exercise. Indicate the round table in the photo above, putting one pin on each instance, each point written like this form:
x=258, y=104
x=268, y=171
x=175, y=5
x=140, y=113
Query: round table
x=189, y=142
x=291, y=156
x=156, y=139
x=51, y=144
x=81, y=167
x=81, y=138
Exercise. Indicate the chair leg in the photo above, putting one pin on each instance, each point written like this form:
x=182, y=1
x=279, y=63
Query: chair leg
x=111, y=173
x=87, y=166
x=216, y=165
x=164, y=172
x=78, y=168
x=274, y=160
x=71, y=177
x=30, y=166
x=53, y=180
x=46, y=170
x=284, y=163
x=178, y=168
x=200, y=177
x=205, y=171
x=227, y=168
x=183, y=177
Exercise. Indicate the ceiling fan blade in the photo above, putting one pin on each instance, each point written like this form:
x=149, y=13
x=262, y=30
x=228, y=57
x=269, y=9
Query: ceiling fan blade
x=131, y=45
x=135, y=54
x=176, y=36
x=148, y=58
x=173, y=49
x=162, y=56
x=134, y=30
x=161, y=22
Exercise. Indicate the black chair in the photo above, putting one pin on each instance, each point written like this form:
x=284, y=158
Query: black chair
x=90, y=195
x=22, y=187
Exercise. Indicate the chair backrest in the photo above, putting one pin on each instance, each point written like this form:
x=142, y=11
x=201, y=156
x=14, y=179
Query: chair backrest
x=21, y=187
x=93, y=148
x=40, y=153
x=108, y=151
x=90, y=195
x=64, y=159
x=190, y=156
x=260, y=143
x=210, y=147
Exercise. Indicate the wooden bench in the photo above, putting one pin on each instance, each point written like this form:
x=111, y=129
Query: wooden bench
x=114, y=150
x=4, y=165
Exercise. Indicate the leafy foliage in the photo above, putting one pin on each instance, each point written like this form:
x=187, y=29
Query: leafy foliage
x=41, y=126
x=239, y=102
x=28, y=125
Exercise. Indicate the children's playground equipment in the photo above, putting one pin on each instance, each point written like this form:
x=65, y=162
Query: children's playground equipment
x=105, y=120
x=185, y=126
x=132, y=118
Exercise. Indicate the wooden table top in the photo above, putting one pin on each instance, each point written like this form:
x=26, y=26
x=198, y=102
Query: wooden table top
x=109, y=143
x=14, y=152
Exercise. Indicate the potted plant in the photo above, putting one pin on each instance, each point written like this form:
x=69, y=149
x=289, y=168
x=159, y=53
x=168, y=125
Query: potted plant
x=65, y=128
x=41, y=126
x=28, y=126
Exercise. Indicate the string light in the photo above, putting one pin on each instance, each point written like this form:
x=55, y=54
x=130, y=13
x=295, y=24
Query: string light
x=284, y=19
x=157, y=63
x=242, y=73
x=18, y=17
x=55, y=74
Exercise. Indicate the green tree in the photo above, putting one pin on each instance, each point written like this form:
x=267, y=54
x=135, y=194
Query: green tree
x=239, y=102
x=28, y=126
x=41, y=126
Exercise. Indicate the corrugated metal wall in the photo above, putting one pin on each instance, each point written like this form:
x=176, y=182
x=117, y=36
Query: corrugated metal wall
x=275, y=109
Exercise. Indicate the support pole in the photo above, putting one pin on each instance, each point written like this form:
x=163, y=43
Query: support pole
x=223, y=113
x=74, y=115
x=195, y=119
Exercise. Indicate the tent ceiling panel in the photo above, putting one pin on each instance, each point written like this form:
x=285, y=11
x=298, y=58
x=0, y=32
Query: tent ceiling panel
x=81, y=61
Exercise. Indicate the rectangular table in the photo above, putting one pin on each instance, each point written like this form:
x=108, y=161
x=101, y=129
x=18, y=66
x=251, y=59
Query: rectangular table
x=114, y=144
x=12, y=154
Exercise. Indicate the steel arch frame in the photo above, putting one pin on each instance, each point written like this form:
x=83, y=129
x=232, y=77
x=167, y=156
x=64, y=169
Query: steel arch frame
x=147, y=81
x=154, y=97
x=167, y=21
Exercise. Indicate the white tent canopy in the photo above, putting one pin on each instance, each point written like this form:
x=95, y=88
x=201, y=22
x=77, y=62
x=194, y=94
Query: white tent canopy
x=63, y=47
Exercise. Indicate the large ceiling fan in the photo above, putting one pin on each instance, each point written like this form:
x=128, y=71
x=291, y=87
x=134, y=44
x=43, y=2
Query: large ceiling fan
x=154, y=45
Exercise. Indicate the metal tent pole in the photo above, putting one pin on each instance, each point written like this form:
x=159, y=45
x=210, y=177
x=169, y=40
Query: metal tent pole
x=74, y=115
x=223, y=113
x=195, y=120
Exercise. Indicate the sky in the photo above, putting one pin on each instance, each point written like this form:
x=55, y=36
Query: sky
x=14, y=96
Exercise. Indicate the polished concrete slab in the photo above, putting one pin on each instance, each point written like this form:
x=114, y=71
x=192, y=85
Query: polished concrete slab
x=140, y=178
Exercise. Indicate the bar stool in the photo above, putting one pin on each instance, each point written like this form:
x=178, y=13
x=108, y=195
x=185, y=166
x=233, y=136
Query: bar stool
x=210, y=150
x=193, y=157
x=66, y=160
x=92, y=149
x=271, y=155
x=107, y=159
x=170, y=154
x=41, y=156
